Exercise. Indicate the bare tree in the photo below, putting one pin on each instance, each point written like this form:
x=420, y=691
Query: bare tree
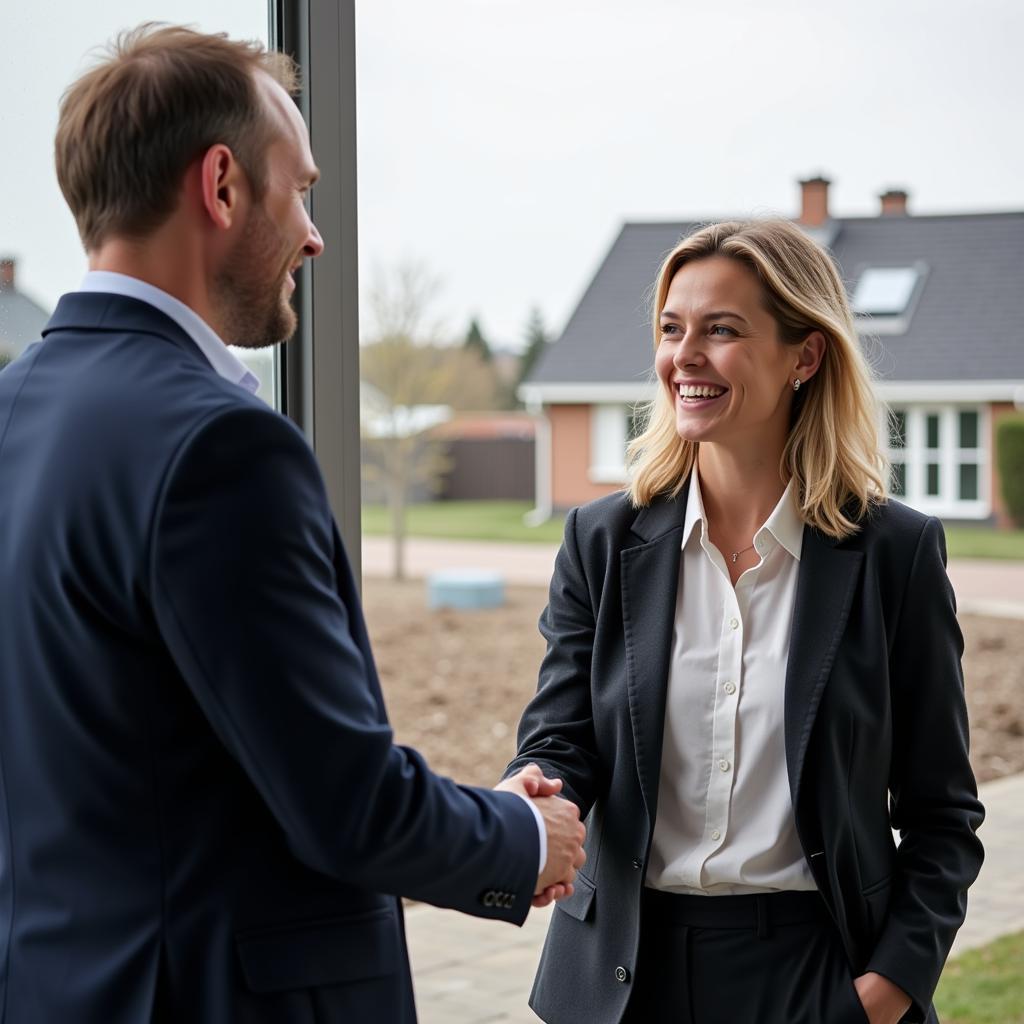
x=411, y=383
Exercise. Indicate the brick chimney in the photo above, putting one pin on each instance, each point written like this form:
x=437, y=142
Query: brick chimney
x=814, y=201
x=894, y=203
x=7, y=266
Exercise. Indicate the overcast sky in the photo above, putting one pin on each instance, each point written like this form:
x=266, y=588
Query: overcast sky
x=503, y=142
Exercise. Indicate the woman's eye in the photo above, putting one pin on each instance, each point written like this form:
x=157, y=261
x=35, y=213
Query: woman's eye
x=668, y=328
x=721, y=328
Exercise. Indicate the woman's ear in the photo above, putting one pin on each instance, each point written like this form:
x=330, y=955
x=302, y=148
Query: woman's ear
x=809, y=356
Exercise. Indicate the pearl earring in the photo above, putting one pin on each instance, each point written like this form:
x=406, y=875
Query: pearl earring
x=796, y=383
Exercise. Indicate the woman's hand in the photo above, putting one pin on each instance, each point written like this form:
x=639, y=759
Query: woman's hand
x=883, y=1002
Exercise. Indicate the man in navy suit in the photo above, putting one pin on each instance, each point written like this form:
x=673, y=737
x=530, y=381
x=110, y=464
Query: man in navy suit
x=203, y=815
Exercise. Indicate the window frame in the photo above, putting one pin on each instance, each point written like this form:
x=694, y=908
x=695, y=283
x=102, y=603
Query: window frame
x=318, y=373
x=948, y=456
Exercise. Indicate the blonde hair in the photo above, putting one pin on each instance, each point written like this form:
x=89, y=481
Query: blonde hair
x=131, y=125
x=832, y=452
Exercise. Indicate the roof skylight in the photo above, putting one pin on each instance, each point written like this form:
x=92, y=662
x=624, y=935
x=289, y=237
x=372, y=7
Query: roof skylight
x=884, y=291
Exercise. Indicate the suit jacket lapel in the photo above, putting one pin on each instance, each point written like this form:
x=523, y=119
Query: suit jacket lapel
x=827, y=579
x=650, y=578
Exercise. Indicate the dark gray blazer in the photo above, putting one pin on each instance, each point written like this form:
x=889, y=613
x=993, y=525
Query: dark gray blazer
x=876, y=738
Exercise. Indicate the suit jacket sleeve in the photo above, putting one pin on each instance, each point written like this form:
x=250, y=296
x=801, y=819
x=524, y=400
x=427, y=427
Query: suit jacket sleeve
x=934, y=802
x=557, y=728
x=245, y=592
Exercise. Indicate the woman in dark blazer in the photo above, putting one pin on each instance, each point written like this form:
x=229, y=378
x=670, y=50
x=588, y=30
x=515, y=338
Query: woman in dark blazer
x=752, y=678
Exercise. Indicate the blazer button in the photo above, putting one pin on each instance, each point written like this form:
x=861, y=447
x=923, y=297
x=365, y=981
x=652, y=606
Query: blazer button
x=638, y=864
x=621, y=974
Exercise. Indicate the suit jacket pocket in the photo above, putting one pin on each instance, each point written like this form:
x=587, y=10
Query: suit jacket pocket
x=876, y=901
x=578, y=904
x=307, y=954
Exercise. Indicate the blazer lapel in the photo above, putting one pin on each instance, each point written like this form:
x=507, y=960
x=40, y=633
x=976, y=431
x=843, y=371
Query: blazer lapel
x=650, y=578
x=827, y=579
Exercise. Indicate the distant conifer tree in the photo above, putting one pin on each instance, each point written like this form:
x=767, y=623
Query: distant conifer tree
x=476, y=342
x=537, y=339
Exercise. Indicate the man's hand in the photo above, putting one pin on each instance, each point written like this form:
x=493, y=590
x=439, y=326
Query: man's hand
x=565, y=832
x=883, y=1002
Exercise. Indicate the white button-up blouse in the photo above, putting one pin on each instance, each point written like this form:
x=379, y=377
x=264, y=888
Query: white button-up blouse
x=725, y=820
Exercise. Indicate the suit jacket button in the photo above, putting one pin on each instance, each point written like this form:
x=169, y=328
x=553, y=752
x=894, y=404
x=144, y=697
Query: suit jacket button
x=621, y=974
x=488, y=898
x=638, y=864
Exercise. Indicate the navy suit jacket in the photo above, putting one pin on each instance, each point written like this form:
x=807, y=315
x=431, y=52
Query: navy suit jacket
x=201, y=806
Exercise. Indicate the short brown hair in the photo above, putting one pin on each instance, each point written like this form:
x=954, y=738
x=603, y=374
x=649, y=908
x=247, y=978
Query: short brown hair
x=131, y=125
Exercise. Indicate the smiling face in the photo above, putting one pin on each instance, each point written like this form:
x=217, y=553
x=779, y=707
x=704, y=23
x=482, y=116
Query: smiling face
x=256, y=279
x=722, y=360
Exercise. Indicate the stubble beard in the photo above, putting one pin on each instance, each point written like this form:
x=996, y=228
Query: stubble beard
x=256, y=310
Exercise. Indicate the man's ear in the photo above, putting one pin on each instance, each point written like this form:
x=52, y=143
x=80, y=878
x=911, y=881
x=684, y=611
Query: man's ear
x=810, y=355
x=222, y=181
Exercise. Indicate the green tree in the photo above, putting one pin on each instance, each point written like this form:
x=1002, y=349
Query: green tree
x=1010, y=458
x=537, y=339
x=476, y=342
x=4, y=359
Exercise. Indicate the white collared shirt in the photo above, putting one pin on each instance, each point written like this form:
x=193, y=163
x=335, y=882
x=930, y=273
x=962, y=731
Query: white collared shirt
x=219, y=356
x=725, y=821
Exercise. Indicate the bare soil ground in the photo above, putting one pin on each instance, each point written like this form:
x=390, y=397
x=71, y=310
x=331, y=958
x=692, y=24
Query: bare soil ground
x=456, y=682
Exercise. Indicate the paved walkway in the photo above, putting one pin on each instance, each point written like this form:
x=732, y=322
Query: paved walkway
x=983, y=586
x=468, y=971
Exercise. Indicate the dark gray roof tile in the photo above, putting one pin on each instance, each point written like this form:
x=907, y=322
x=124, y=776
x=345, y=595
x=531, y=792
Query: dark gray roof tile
x=21, y=321
x=967, y=324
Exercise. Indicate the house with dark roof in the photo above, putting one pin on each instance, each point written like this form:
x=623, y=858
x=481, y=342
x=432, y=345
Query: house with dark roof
x=940, y=306
x=21, y=319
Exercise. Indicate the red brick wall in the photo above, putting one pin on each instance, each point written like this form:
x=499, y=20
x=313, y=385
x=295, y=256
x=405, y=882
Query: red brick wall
x=570, y=457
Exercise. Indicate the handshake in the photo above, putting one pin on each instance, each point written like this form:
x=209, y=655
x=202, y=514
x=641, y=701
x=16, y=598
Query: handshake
x=565, y=832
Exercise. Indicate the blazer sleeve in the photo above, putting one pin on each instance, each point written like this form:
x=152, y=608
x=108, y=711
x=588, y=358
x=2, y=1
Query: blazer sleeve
x=934, y=798
x=245, y=596
x=557, y=728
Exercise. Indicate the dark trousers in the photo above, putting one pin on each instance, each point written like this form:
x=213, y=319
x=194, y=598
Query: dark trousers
x=764, y=959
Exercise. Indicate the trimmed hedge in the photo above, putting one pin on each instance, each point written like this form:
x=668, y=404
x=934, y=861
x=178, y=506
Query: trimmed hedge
x=1010, y=458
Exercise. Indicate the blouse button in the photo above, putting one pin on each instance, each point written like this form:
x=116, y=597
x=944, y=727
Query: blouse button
x=730, y=687
x=734, y=623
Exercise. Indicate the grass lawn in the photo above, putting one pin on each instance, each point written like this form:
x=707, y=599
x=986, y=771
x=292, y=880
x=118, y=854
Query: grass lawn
x=503, y=520
x=983, y=542
x=466, y=520
x=984, y=986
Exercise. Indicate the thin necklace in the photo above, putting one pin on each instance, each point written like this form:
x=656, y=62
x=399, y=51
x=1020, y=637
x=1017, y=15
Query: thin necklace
x=736, y=554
